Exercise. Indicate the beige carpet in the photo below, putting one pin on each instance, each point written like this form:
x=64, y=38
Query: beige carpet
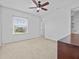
x=30, y=49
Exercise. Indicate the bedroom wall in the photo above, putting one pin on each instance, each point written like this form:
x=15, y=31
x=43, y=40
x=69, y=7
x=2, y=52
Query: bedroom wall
x=7, y=26
x=57, y=24
x=58, y=20
x=0, y=27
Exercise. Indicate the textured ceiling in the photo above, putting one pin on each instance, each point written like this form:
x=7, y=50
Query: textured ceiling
x=24, y=4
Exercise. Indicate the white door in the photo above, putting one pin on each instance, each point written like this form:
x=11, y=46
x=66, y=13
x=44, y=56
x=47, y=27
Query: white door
x=75, y=22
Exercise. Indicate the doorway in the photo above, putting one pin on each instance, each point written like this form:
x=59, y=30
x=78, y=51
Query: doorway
x=75, y=21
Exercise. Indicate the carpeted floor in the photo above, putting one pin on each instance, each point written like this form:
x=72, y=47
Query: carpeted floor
x=30, y=49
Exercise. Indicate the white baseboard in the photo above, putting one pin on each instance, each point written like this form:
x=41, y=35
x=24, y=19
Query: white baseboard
x=64, y=36
x=54, y=39
x=51, y=38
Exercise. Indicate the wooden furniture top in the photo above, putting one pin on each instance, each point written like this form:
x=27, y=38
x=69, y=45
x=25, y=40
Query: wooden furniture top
x=72, y=39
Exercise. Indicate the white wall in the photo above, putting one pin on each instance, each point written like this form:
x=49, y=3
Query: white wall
x=0, y=27
x=58, y=21
x=7, y=27
x=57, y=18
x=57, y=24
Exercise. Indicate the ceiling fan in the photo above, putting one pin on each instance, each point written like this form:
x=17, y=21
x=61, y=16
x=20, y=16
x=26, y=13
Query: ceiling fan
x=39, y=6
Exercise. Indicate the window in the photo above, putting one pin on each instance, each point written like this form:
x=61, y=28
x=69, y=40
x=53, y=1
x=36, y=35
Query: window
x=20, y=25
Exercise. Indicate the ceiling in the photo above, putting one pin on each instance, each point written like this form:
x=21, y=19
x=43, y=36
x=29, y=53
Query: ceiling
x=24, y=4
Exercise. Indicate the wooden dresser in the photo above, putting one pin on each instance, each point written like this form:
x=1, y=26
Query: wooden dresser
x=68, y=47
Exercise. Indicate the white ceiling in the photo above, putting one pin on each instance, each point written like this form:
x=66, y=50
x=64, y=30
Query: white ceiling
x=24, y=4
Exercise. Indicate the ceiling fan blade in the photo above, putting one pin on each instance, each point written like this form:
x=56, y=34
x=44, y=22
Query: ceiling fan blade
x=44, y=9
x=46, y=3
x=35, y=2
x=32, y=7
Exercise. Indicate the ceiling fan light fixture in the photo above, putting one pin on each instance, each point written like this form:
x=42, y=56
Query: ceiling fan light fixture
x=38, y=8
